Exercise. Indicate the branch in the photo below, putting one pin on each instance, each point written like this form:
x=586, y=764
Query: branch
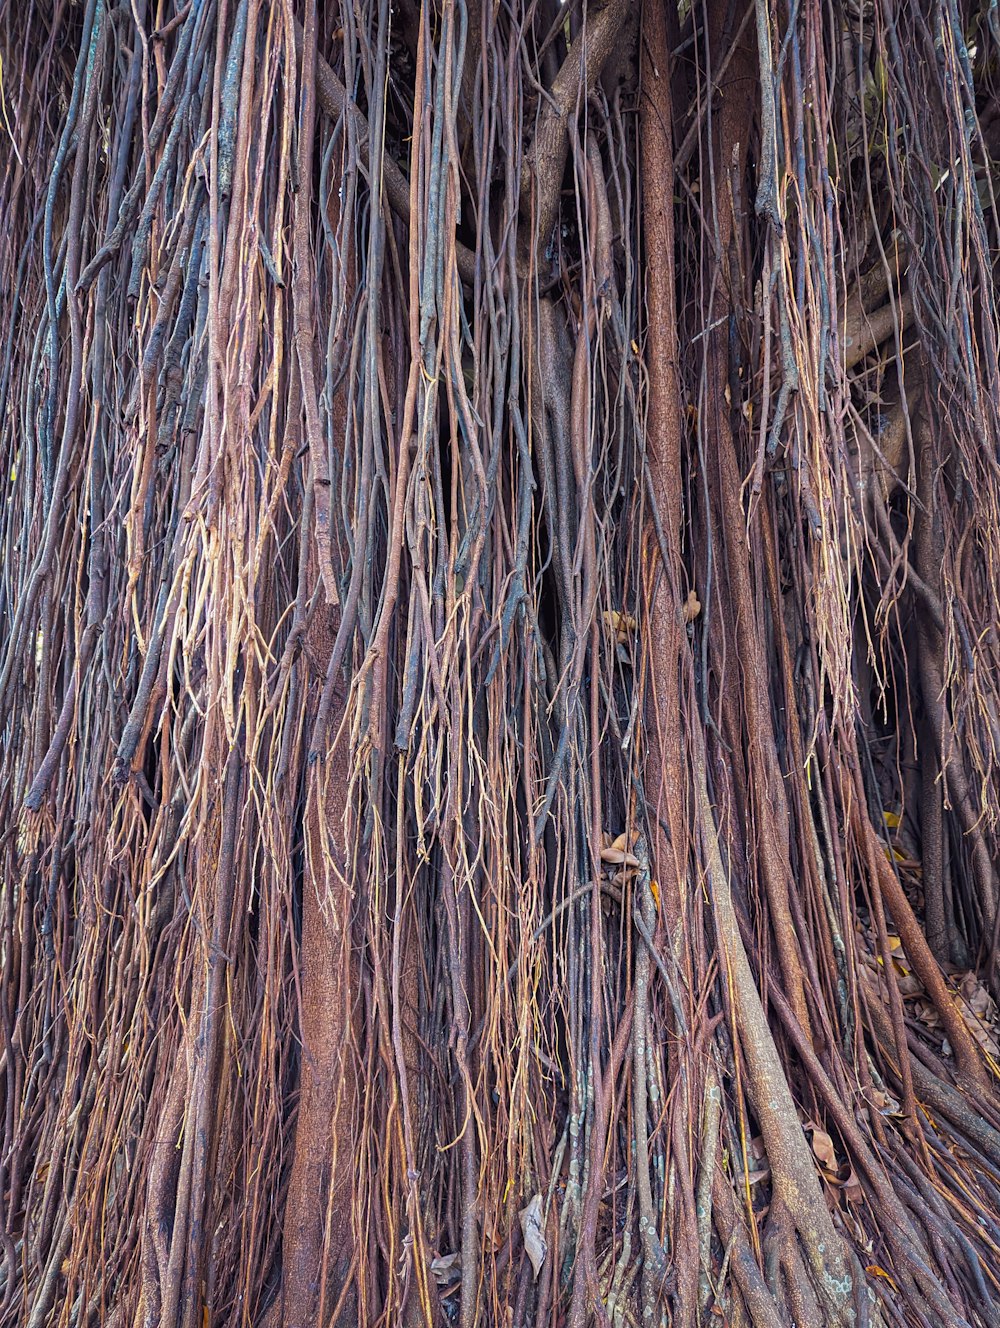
x=864, y=331
x=334, y=101
x=691, y=137
x=547, y=155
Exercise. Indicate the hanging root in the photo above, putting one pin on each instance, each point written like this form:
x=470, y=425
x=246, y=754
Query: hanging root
x=499, y=667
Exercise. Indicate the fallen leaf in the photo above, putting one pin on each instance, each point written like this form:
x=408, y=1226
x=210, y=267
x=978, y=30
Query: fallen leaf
x=826, y=1154
x=620, y=622
x=880, y=1272
x=887, y=1106
x=979, y=1012
x=853, y=1192
x=531, y=1229
x=976, y=996
x=446, y=1268
x=909, y=985
x=692, y=607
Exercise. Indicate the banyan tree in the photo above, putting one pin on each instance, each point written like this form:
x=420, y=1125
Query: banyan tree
x=499, y=663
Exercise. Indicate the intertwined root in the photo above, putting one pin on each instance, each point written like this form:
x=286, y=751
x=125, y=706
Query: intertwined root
x=499, y=675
